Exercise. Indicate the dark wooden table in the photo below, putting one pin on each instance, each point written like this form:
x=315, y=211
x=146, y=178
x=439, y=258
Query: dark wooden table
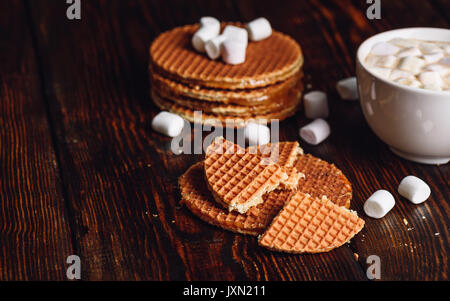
x=82, y=172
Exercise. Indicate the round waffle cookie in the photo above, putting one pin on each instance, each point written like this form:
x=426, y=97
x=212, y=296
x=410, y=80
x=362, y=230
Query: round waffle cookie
x=323, y=179
x=272, y=101
x=243, y=97
x=310, y=225
x=224, y=120
x=199, y=200
x=267, y=62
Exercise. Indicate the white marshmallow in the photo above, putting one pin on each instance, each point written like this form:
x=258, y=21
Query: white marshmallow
x=434, y=87
x=372, y=60
x=430, y=78
x=396, y=74
x=257, y=134
x=210, y=21
x=259, y=29
x=381, y=72
x=411, y=64
x=412, y=51
x=388, y=61
x=168, y=124
x=447, y=80
x=383, y=48
x=236, y=33
x=414, y=189
x=379, y=204
x=348, y=88
x=430, y=48
x=411, y=82
x=437, y=68
x=203, y=35
x=233, y=51
x=315, y=132
x=404, y=42
x=445, y=61
x=214, y=47
x=316, y=105
x=433, y=57
x=447, y=49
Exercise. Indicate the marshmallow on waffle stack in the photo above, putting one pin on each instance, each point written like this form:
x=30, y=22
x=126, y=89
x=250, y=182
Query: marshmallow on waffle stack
x=266, y=86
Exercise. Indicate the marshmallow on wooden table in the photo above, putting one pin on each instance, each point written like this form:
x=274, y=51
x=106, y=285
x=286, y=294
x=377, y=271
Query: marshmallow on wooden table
x=209, y=28
x=168, y=124
x=414, y=189
x=383, y=48
x=257, y=134
x=411, y=64
x=259, y=29
x=236, y=33
x=348, y=88
x=315, y=132
x=316, y=105
x=379, y=204
x=214, y=47
x=433, y=57
x=412, y=51
x=233, y=51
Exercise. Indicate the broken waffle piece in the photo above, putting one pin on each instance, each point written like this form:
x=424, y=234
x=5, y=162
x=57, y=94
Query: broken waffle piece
x=323, y=179
x=237, y=178
x=291, y=183
x=310, y=225
x=283, y=153
x=199, y=200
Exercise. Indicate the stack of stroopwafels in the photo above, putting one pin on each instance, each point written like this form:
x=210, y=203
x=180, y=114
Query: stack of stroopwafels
x=268, y=85
x=241, y=190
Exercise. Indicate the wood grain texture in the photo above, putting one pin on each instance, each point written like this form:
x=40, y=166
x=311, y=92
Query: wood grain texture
x=118, y=179
x=35, y=238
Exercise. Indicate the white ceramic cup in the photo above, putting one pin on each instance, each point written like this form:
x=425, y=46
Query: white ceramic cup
x=414, y=122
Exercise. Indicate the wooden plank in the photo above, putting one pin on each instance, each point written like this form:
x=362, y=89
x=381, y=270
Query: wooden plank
x=296, y=20
x=121, y=178
x=35, y=237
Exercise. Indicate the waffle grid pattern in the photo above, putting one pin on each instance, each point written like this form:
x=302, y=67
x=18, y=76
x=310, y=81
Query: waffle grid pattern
x=237, y=178
x=323, y=179
x=199, y=200
x=268, y=61
x=282, y=153
x=309, y=225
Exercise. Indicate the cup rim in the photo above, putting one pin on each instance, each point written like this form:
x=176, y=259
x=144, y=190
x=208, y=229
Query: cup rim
x=390, y=82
